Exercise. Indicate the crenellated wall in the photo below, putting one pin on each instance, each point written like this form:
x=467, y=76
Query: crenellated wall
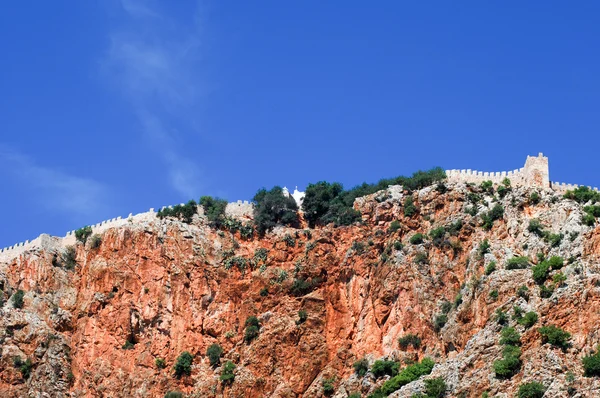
x=233, y=209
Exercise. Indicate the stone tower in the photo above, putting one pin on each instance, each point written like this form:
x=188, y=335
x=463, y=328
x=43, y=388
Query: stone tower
x=536, y=172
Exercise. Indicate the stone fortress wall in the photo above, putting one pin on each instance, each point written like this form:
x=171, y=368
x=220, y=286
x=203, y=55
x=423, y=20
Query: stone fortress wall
x=233, y=209
x=535, y=173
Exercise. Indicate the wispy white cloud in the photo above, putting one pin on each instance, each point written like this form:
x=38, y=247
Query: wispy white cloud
x=154, y=61
x=55, y=189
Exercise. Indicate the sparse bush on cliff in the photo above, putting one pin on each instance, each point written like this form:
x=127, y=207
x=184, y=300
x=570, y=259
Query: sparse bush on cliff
x=536, y=227
x=383, y=367
x=591, y=364
x=252, y=328
x=555, y=336
x=95, y=242
x=531, y=390
x=553, y=240
x=509, y=336
x=302, y=317
x=214, y=352
x=409, y=207
x=406, y=375
x=491, y=267
x=361, y=367
x=227, y=376
x=416, y=239
x=529, y=319
x=272, y=208
x=160, y=363
x=328, y=387
x=183, y=366
x=534, y=198
x=487, y=186
x=484, y=248
x=67, y=258
x=434, y=388
x=23, y=366
x=488, y=218
x=394, y=226
x=440, y=322
x=437, y=236
x=410, y=339
x=184, y=212
x=517, y=263
x=174, y=394
x=82, y=234
x=17, y=299
x=583, y=195
x=540, y=272
x=510, y=363
x=214, y=210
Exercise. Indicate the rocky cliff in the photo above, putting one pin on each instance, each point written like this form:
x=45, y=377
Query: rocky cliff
x=325, y=298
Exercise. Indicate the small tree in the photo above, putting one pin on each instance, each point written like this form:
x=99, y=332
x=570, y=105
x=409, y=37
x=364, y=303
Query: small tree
x=82, y=234
x=531, y=390
x=227, y=374
x=361, y=367
x=409, y=207
x=591, y=364
x=183, y=366
x=555, y=336
x=302, y=317
x=17, y=299
x=214, y=210
x=510, y=337
x=214, y=353
x=272, y=208
x=410, y=339
x=435, y=388
x=252, y=328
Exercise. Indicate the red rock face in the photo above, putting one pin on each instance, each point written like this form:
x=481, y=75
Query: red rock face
x=172, y=290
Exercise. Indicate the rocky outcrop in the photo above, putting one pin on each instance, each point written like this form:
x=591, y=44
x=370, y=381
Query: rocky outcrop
x=157, y=288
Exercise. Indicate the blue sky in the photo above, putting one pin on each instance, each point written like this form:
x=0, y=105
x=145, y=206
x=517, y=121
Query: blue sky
x=111, y=107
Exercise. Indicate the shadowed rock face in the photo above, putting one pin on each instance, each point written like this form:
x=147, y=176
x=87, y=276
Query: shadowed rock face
x=168, y=287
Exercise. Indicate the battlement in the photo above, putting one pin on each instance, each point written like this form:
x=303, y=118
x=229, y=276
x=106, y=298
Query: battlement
x=233, y=209
x=535, y=173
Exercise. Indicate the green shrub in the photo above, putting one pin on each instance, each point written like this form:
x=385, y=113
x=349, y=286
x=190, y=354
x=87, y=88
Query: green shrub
x=289, y=240
x=517, y=263
x=68, y=258
x=490, y=268
x=588, y=219
x=421, y=258
x=160, y=363
x=501, y=317
x=383, y=367
x=529, y=319
x=509, y=336
x=301, y=287
x=398, y=245
x=227, y=375
x=96, y=241
x=494, y=294
x=394, y=226
x=184, y=213
x=471, y=210
x=534, y=198
x=455, y=227
x=407, y=375
x=523, y=291
x=502, y=191
x=531, y=390
x=214, y=210
x=17, y=299
x=264, y=292
x=24, y=367
x=591, y=365
x=555, y=336
x=252, y=325
x=214, y=352
x=440, y=322
x=416, y=239
x=540, y=272
x=361, y=367
x=510, y=363
x=408, y=340
x=302, y=317
x=82, y=234
x=583, y=195
x=174, y=394
x=496, y=213
x=484, y=247
x=556, y=262
x=458, y=300
x=129, y=344
x=409, y=207
x=437, y=235
x=435, y=388
x=183, y=365
x=559, y=279
x=272, y=208
x=354, y=395
x=545, y=291
x=536, y=227
x=446, y=307
x=487, y=186
x=328, y=387
x=554, y=240
x=260, y=255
